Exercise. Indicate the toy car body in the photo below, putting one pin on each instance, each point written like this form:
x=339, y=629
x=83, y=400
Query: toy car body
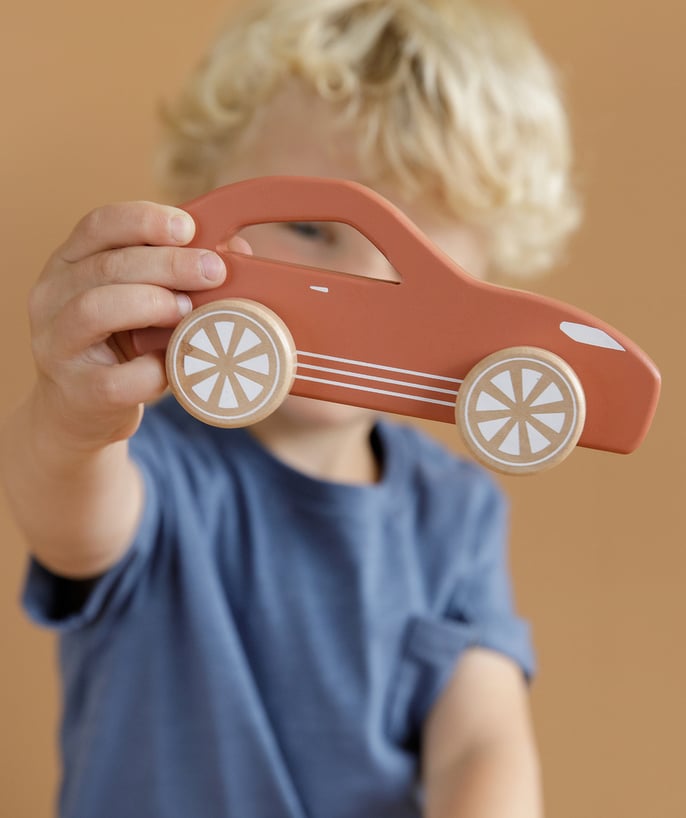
x=541, y=375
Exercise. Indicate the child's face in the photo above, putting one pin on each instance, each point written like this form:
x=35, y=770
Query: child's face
x=299, y=135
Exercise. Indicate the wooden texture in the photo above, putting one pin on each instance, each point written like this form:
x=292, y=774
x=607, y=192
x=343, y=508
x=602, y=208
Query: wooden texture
x=231, y=362
x=521, y=410
x=405, y=347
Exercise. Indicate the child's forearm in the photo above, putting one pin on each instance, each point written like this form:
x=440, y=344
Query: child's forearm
x=479, y=755
x=498, y=781
x=78, y=507
x=63, y=456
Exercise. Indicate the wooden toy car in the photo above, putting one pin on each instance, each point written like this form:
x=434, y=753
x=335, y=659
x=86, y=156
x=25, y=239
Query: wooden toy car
x=526, y=378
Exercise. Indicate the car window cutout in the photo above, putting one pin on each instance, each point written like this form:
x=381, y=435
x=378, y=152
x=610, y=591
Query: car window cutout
x=323, y=245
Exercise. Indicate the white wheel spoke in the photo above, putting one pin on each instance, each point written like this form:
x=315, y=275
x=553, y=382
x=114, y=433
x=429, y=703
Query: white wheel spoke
x=503, y=381
x=248, y=340
x=251, y=388
x=225, y=331
x=204, y=389
x=486, y=403
x=511, y=443
x=553, y=420
x=227, y=399
x=193, y=365
x=537, y=442
x=490, y=428
x=551, y=394
x=259, y=364
x=202, y=341
x=530, y=379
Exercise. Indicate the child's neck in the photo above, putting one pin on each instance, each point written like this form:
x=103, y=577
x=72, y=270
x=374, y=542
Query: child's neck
x=336, y=453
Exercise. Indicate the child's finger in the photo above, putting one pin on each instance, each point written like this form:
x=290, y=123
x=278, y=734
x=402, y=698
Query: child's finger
x=94, y=315
x=120, y=387
x=127, y=224
x=177, y=268
x=150, y=339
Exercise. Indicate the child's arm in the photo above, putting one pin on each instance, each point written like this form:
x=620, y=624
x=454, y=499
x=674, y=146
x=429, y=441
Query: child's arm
x=64, y=455
x=479, y=758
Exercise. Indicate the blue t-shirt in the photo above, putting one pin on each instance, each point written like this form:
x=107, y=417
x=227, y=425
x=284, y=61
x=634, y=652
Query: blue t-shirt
x=271, y=644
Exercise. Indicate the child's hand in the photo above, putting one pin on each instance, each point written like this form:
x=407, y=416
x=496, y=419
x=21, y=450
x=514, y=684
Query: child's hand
x=122, y=269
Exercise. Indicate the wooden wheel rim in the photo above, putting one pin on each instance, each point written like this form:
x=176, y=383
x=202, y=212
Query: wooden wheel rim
x=231, y=364
x=521, y=410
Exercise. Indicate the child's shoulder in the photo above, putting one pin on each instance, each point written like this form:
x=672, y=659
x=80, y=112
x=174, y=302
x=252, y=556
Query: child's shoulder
x=171, y=438
x=166, y=423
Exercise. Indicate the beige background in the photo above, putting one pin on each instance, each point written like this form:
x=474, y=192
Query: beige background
x=598, y=544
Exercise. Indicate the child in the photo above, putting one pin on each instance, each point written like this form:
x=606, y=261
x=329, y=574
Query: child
x=312, y=616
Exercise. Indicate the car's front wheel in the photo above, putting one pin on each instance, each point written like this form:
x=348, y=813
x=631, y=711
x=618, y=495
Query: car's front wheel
x=521, y=410
x=231, y=363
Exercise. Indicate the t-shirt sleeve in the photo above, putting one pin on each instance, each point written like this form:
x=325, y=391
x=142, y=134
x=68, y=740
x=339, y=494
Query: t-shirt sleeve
x=480, y=613
x=64, y=604
x=482, y=601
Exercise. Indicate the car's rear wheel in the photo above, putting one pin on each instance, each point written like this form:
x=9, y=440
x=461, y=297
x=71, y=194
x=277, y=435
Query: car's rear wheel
x=521, y=410
x=231, y=363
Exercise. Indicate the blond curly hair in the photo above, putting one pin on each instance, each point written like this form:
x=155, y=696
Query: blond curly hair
x=448, y=95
